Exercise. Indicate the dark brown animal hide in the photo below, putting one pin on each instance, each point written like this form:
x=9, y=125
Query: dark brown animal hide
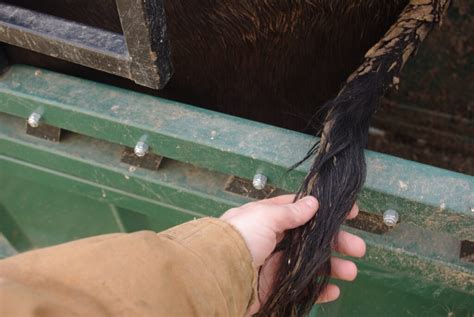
x=268, y=60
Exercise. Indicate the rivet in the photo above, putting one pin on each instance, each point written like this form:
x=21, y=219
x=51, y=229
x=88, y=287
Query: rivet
x=34, y=119
x=259, y=181
x=390, y=217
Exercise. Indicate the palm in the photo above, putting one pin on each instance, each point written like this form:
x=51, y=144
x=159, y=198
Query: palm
x=262, y=225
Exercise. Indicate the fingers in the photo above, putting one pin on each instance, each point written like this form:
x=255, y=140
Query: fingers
x=289, y=198
x=330, y=293
x=343, y=269
x=284, y=217
x=349, y=244
x=340, y=269
x=279, y=200
x=354, y=212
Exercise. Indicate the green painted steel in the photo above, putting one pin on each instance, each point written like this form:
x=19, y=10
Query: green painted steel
x=6, y=249
x=57, y=192
x=82, y=188
x=430, y=197
x=378, y=292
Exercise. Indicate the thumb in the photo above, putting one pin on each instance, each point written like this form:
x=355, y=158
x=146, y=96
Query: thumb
x=296, y=214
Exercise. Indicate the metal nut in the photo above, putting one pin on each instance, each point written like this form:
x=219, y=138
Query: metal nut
x=141, y=149
x=34, y=119
x=390, y=217
x=259, y=181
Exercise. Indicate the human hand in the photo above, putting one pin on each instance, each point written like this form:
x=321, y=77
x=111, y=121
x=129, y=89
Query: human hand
x=262, y=225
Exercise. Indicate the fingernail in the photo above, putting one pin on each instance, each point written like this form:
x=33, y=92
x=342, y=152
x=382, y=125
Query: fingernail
x=310, y=201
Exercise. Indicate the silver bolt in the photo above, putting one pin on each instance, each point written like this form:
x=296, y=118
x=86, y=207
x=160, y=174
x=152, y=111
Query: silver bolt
x=390, y=217
x=259, y=181
x=141, y=148
x=34, y=119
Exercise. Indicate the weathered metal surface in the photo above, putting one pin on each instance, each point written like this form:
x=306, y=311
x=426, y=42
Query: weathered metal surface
x=63, y=39
x=426, y=196
x=144, y=27
x=175, y=130
x=142, y=54
x=96, y=161
x=56, y=192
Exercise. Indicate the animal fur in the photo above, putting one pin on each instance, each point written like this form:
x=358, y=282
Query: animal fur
x=270, y=61
x=338, y=171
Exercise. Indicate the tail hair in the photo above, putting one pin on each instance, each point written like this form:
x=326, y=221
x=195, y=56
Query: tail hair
x=338, y=171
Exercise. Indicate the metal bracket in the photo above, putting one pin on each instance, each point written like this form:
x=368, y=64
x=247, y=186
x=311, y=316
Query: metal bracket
x=150, y=161
x=45, y=131
x=141, y=54
x=244, y=187
x=467, y=251
x=369, y=222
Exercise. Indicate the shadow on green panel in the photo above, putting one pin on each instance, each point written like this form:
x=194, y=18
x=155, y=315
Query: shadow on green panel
x=134, y=221
x=12, y=232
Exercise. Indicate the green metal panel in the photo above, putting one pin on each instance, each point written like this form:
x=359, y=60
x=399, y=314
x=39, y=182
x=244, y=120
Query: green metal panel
x=377, y=292
x=231, y=145
x=46, y=215
x=6, y=249
x=48, y=219
x=174, y=130
x=54, y=192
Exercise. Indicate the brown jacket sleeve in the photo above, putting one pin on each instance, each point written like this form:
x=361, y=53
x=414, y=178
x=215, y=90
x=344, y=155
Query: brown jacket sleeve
x=200, y=268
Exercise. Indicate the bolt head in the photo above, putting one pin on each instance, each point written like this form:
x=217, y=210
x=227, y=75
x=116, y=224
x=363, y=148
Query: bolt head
x=259, y=181
x=34, y=119
x=390, y=217
x=140, y=149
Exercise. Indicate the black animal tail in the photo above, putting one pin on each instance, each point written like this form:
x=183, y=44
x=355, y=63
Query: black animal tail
x=338, y=171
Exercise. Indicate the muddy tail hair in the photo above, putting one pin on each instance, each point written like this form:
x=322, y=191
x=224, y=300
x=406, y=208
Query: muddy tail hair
x=338, y=171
